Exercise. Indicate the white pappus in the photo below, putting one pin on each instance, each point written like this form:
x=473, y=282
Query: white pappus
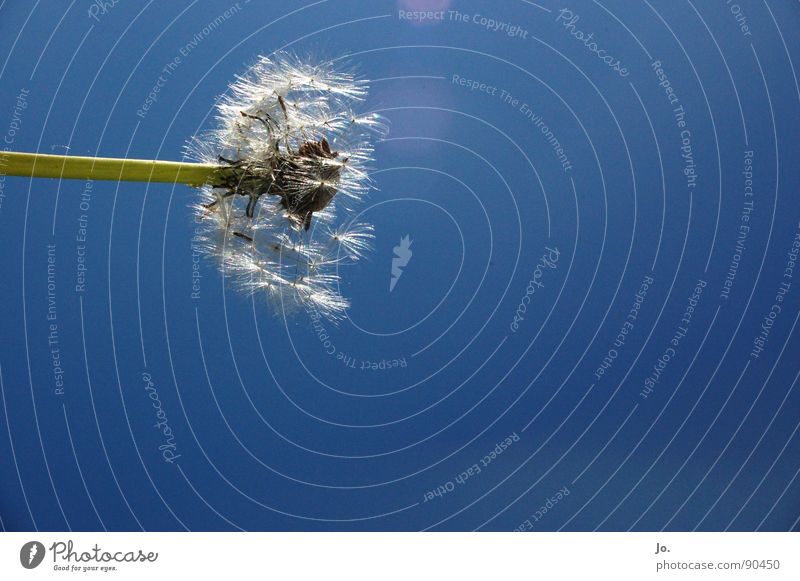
x=294, y=158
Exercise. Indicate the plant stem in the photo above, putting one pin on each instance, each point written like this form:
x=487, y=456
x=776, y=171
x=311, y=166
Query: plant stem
x=40, y=165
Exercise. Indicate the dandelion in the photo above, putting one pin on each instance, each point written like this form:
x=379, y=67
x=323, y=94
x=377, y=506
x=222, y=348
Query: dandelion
x=289, y=152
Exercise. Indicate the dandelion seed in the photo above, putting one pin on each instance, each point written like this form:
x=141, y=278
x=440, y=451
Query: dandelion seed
x=353, y=241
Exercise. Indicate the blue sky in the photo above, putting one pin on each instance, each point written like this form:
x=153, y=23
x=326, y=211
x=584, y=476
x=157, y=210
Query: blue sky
x=600, y=203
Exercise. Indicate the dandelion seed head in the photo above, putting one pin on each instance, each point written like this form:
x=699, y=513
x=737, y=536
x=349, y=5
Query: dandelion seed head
x=291, y=147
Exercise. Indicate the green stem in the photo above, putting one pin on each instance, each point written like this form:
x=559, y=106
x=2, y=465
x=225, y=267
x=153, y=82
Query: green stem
x=40, y=165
